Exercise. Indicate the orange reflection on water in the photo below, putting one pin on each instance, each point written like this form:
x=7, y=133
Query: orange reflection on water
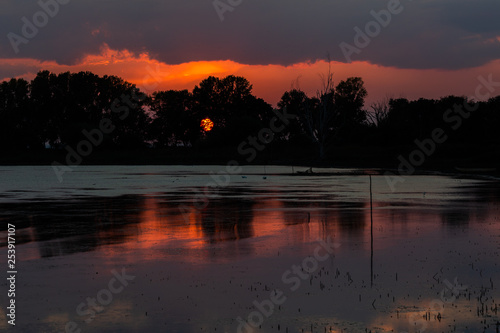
x=268, y=218
x=429, y=314
x=156, y=225
x=160, y=225
x=199, y=233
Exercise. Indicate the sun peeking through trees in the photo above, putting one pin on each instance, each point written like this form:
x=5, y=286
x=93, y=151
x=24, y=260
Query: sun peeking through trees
x=57, y=110
x=62, y=110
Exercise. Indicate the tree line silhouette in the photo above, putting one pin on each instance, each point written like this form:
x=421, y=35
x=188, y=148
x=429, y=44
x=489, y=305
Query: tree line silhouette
x=54, y=111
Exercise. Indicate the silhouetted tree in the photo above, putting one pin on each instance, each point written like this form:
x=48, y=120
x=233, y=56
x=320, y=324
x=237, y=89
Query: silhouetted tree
x=17, y=126
x=219, y=99
x=297, y=103
x=124, y=105
x=321, y=119
x=60, y=108
x=349, y=99
x=379, y=114
x=229, y=103
x=49, y=104
x=173, y=122
x=492, y=120
x=67, y=104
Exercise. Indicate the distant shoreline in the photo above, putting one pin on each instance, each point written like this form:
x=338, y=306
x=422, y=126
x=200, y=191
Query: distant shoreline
x=468, y=159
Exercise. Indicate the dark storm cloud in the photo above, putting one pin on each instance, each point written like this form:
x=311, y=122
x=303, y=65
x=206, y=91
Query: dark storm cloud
x=479, y=17
x=425, y=34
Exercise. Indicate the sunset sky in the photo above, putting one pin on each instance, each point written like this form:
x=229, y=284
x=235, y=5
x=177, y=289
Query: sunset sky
x=419, y=48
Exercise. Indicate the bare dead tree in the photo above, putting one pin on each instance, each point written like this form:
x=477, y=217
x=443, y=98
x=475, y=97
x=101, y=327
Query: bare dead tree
x=380, y=111
x=319, y=115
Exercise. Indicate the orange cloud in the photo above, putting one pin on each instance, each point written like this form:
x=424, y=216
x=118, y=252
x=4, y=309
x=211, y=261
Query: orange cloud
x=269, y=81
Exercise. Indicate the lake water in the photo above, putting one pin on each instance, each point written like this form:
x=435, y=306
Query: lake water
x=192, y=249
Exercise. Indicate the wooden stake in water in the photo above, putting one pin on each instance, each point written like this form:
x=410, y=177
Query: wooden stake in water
x=371, y=232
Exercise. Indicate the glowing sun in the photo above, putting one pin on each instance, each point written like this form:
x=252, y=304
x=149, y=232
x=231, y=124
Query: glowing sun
x=207, y=125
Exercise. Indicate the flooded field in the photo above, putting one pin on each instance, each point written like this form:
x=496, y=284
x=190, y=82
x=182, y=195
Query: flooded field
x=202, y=249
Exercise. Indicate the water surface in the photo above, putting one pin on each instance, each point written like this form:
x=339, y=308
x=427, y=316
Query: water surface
x=208, y=252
